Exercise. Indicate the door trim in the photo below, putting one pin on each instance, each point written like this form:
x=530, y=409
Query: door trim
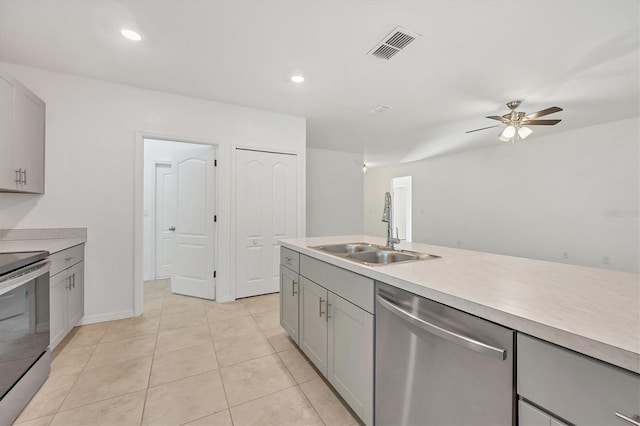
x=222, y=200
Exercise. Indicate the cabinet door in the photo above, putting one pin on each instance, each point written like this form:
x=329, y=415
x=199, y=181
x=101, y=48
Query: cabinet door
x=75, y=303
x=58, y=291
x=8, y=165
x=289, y=291
x=29, y=126
x=313, y=323
x=528, y=415
x=350, y=355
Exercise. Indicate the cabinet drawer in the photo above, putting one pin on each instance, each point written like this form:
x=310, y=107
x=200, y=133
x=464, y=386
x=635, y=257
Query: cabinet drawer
x=290, y=259
x=346, y=284
x=66, y=258
x=577, y=388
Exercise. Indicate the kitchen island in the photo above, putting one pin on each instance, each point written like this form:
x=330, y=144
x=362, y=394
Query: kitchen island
x=558, y=312
x=592, y=311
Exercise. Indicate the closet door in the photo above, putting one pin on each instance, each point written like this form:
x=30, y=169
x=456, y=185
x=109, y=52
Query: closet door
x=266, y=211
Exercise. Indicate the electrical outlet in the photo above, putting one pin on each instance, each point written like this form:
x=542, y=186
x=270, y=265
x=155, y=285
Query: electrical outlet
x=565, y=255
x=606, y=260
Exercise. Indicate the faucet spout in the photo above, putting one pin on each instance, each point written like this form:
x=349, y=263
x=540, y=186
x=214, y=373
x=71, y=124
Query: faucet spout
x=387, y=216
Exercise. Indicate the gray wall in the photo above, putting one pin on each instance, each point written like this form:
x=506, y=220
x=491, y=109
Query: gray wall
x=335, y=185
x=574, y=192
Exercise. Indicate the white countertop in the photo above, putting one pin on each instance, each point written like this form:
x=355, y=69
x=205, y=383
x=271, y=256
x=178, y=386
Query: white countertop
x=52, y=245
x=592, y=311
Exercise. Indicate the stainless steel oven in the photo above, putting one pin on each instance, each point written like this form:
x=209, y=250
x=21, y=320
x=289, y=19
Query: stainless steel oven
x=24, y=329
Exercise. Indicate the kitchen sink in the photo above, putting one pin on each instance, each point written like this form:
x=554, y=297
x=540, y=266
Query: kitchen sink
x=349, y=248
x=373, y=255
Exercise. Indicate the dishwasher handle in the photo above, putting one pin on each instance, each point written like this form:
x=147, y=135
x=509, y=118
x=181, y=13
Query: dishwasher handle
x=452, y=336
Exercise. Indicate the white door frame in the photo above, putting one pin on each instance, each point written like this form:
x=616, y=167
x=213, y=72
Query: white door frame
x=223, y=201
x=156, y=163
x=407, y=182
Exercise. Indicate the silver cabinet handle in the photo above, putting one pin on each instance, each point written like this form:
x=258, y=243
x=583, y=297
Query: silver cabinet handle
x=293, y=287
x=18, y=176
x=69, y=286
x=24, y=174
x=320, y=307
x=173, y=228
x=68, y=259
x=74, y=280
x=452, y=336
x=288, y=259
x=328, y=306
x=635, y=420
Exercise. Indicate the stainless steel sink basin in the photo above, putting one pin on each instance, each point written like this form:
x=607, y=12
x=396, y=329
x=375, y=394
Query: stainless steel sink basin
x=382, y=257
x=373, y=255
x=349, y=248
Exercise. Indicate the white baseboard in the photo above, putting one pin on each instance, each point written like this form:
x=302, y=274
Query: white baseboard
x=110, y=316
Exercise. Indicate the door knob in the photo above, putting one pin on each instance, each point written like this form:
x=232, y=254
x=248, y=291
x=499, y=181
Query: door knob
x=173, y=228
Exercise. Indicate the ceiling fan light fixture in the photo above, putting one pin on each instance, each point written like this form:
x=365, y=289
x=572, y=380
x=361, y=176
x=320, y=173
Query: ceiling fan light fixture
x=523, y=132
x=507, y=133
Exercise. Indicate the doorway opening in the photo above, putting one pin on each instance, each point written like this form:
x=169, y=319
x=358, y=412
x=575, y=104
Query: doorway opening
x=179, y=250
x=401, y=193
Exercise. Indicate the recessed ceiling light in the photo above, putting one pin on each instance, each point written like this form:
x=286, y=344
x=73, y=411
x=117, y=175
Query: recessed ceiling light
x=297, y=79
x=131, y=35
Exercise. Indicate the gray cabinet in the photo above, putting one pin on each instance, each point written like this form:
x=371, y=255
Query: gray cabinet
x=334, y=327
x=289, y=312
x=574, y=387
x=66, y=292
x=22, y=133
x=313, y=323
x=350, y=355
x=528, y=415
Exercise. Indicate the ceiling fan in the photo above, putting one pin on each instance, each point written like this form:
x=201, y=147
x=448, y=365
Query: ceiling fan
x=515, y=123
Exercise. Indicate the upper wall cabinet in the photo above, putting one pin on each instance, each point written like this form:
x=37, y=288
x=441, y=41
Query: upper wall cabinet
x=22, y=127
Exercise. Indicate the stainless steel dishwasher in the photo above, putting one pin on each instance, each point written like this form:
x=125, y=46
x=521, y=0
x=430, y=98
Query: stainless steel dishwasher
x=436, y=365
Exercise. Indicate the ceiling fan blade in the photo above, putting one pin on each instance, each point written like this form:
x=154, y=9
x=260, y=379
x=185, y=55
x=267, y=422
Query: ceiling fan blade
x=543, y=112
x=497, y=117
x=484, y=128
x=539, y=122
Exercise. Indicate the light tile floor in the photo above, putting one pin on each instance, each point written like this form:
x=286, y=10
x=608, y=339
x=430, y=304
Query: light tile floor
x=185, y=361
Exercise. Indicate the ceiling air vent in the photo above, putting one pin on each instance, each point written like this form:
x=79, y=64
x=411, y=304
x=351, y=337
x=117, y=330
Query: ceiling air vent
x=394, y=42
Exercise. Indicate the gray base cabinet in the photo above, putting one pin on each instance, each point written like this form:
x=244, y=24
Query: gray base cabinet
x=528, y=415
x=334, y=327
x=66, y=292
x=350, y=355
x=289, y=288
x=313, y=323
x=574, y=387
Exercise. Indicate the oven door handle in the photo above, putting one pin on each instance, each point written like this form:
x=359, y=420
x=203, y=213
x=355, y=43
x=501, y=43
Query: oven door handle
x=24, y=275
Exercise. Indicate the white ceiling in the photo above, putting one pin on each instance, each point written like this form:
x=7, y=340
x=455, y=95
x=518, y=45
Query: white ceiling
x=473, y=56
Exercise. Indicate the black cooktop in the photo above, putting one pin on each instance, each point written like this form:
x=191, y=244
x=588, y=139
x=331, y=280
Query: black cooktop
x=12, y=261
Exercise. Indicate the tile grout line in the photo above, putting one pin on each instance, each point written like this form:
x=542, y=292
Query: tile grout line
x=224, y=389
x=75, y=382
x=153, y=357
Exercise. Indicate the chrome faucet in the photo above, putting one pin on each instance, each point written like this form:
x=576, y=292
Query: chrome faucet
x=387, y=216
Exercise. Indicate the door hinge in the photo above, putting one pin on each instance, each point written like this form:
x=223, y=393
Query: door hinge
x=215, y=273
x=215, y=217
x=215, y=163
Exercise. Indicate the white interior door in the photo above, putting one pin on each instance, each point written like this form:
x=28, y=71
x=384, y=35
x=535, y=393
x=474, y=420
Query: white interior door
x=266, y=211
x=194, y=256
x=165, y=220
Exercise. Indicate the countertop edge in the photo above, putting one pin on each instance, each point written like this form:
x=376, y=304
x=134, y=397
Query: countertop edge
x=53, y=245
x=614, y=355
